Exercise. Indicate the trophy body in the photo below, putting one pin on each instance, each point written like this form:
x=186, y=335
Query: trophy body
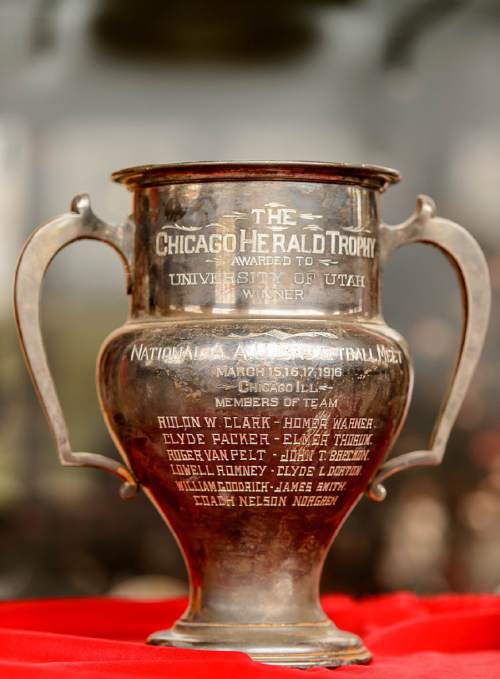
x=255, y=389
x=254, y=489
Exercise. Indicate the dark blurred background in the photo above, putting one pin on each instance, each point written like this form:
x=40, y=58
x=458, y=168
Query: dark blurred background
x=90, y=87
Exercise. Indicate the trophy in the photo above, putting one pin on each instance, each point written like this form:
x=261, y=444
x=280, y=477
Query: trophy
x=255, y=390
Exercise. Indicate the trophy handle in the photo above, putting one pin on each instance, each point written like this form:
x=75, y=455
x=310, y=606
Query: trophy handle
x=35, y=257
x=470, y=265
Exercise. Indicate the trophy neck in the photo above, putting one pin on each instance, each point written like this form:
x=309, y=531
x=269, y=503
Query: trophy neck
x=256, y=249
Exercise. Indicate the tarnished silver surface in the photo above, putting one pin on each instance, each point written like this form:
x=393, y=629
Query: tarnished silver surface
x=473, y=277
x=255, y=389
x=34, y=259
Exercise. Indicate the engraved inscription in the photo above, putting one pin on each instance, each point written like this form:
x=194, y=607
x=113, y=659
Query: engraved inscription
x=274, y=253
x=235, y=458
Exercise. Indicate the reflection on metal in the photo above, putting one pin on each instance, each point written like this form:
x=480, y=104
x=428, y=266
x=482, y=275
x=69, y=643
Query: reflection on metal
x=254, y=391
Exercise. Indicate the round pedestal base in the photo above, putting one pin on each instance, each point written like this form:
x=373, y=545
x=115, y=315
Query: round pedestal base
x=317, y=644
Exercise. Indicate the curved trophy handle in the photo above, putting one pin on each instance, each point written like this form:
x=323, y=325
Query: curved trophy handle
x=35, y=257
x=470, y=264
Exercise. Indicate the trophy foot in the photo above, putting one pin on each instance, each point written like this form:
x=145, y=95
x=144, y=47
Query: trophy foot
x=314, y=645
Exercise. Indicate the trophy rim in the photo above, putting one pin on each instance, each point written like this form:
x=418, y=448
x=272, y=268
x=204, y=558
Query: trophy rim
x=367, y=175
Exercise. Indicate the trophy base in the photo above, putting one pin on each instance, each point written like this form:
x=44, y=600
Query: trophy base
x=301, y=646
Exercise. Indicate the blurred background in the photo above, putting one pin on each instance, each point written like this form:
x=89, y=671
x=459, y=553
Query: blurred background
x=89, y=87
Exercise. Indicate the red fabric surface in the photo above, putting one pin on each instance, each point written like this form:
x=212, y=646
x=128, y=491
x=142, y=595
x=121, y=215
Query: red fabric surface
x=445, y=637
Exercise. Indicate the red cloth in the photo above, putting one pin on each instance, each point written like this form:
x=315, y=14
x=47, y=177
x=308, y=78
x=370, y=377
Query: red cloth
x=444, y=637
